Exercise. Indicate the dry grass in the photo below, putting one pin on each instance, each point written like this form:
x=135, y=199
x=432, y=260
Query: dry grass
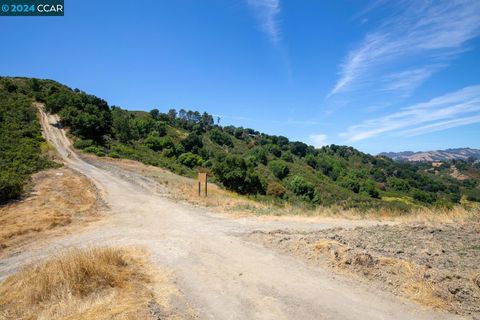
x=95, y=283
x=61, y=200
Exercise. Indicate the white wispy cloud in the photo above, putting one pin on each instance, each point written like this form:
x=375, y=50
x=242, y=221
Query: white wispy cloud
x=405, y=82
x=454, y=109
x=426, y=33
x=318, y=140
x=267, y=12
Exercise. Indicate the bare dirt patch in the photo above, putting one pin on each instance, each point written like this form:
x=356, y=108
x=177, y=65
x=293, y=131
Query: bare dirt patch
x=435, y=265
x=61, y=200
x=95, y=283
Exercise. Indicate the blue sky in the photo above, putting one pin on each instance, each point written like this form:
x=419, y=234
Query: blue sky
x=377, y=75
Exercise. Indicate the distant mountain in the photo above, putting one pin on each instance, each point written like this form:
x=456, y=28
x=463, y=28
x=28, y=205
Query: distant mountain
x=437, y=155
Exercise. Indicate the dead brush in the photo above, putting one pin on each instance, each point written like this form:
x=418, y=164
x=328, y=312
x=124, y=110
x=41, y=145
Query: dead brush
x=75, y=283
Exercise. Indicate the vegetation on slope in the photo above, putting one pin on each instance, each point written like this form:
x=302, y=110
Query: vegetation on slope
x=21, y=142
x=245, y=160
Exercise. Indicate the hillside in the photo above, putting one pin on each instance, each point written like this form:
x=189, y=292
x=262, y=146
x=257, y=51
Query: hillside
x=267, y=167
x=437, y=155
x=22, y=149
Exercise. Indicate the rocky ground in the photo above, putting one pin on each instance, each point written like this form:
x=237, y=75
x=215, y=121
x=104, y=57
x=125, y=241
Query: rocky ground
x=437, y=266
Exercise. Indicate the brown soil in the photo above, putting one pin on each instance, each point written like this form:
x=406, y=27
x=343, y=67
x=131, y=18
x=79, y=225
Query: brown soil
x=437, y=266
x=60, y=200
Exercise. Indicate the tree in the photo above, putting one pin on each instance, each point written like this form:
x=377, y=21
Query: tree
x=299, y=148
x=122, y=125
x=154, y=113
x=220, y=138
x=193, y=142
x=172, y=115
x=235, y=175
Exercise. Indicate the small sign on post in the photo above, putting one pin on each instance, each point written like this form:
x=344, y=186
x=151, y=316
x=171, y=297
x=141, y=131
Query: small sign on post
x=202, y=181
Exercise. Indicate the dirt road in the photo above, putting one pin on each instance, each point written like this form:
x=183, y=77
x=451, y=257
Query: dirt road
x=220, y=274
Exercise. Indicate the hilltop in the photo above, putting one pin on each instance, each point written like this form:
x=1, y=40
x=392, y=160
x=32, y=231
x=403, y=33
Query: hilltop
x=437, y=155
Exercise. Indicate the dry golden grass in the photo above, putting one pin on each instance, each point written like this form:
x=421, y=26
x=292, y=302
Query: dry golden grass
x=95, y=283
x=413, y=284
x=61, y=199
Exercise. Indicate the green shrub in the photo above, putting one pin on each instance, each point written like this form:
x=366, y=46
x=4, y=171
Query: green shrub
x=279, y=169
x=397, y=184
x=95, y=150
x=234, y=173
x=287, y=156
x=350, y=182
x=368, y=187
x=424, y=197
x=156, y=143
x=473, y=195
x=11, y=186
x=311, y=161
x=82, y=144
x=302, y=188
x=190, y=159
x=220, y=138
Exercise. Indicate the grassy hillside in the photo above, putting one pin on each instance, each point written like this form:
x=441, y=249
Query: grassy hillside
x=21, y=142
x=245, y=160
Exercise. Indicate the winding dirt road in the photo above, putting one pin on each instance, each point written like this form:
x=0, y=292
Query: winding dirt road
x=221, y=275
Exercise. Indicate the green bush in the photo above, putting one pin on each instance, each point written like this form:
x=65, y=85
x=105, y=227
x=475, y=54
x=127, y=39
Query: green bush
x=473, y=195
x=190, y=159
x=424, y=197
x=350, y=182
x=156, y=143
x=11, y=186
x=234, y=173
x=82, y=144
x=302, y=188
x=113, y=154
x=397, y=184
x=368, y=187
x=95, y=150
x=220, y=138
x=279, y=169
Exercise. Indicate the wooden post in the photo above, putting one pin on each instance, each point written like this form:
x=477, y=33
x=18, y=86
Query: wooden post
x=202, y=180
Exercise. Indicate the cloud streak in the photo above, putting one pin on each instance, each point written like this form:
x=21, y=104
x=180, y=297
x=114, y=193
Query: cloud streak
x=426, y=33
x=266, y=12
x=451, y=110
x=319, y=140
